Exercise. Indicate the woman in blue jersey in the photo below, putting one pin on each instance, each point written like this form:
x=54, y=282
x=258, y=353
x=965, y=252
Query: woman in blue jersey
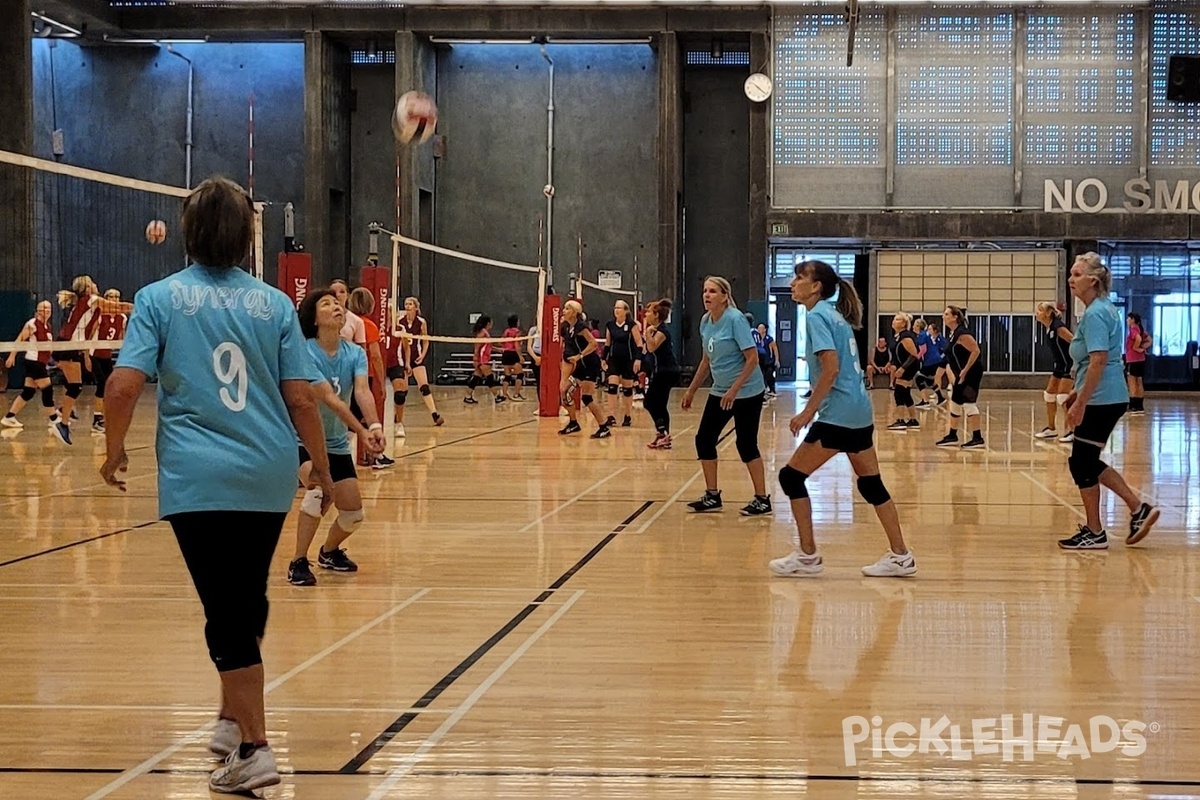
x=1058, y=389
x=1099, y=400
x=233, y=392
x=845, y=423
x=928, y=376
x=343, y=372
x=737, y=392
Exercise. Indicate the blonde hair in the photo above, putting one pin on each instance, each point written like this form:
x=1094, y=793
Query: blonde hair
x=726, y=289
x=1046, y=307
x=575, y=306
x=919, y=325
x=908, y=318
x=361, y=301
x=79, y=287
x=1096, y=269
x=416, y=302
x=115, y=292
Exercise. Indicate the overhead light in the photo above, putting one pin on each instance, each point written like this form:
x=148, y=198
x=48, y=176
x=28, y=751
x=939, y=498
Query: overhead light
x=56, y=23
x=119, y=40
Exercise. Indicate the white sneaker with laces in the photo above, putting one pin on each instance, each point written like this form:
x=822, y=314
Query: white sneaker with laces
x=892, y=565
x=226, y=738
x=1046, y=433
x=399, y=431
x=239, y=774
x=797, y=565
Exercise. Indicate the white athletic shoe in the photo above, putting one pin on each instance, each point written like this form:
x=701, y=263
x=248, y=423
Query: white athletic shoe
x=11, y=422
x=1067, y=438
x=797, y=565
x=1046, y=433
x=226, y=738
x=400, y=434
x=892, y=565
x=239, y=774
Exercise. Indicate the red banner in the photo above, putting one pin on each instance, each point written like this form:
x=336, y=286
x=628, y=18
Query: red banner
x=295, y=275
x=550, y=374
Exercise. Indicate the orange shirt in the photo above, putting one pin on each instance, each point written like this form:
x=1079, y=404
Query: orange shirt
x=372, y=338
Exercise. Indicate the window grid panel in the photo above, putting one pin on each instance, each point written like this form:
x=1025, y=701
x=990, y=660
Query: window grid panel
x=826, y=114
x=1174, y=127
x=954, y=78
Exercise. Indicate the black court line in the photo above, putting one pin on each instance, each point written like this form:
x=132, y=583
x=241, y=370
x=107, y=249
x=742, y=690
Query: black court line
x=19, y=559
x=985, y=780
x=153, y=522
x=379, y=742
x=465, y=438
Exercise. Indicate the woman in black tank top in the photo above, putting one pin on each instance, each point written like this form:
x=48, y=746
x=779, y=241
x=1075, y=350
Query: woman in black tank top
x=622, y=360
x=1060, y=385
x=665, y=375
x=906, y=358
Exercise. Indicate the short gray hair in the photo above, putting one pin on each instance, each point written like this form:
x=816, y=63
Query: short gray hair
x=1095, y=269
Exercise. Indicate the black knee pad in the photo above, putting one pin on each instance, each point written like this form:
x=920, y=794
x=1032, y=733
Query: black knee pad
x=611, y=389
x=425, y=390
x=586, y=400
x=747, y=451
x=872, y=489
x=27, y=393
x=400, y=397
x=627, y=391
x=1085, y=465
x=473, y=381
x=48, y=397
x=491, y=381
x=74, y=390
x=792, y=482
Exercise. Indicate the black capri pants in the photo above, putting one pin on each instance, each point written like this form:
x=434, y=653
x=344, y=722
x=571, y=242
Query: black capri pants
x=745, y=413
x=657, y=398
x=101, y=370
x=228, y=554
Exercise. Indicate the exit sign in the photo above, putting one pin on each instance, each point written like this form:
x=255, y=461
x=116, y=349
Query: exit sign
x=779, y=229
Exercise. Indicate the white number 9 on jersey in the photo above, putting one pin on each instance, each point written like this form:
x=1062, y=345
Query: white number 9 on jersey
x=232, y=374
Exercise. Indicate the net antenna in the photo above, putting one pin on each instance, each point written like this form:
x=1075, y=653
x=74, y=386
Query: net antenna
x=851, y=16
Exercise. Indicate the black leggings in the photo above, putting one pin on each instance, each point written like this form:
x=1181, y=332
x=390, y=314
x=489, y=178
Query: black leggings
x=101, y=370
x=768, y=373
x=228, y=554
x=657, y=398
x=745, y=413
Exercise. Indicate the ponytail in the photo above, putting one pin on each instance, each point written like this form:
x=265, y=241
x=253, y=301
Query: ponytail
x=849, y=304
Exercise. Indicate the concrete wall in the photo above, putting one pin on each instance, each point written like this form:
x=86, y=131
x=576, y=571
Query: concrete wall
x=716, y=195
x=372, y=159
x=122, y=110
x=492, y=103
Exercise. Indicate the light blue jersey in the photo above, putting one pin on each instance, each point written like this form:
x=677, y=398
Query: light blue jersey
x=723, y=342
x=1101, y=328
x=847, y=404
x=339, y=371
x=219, y=343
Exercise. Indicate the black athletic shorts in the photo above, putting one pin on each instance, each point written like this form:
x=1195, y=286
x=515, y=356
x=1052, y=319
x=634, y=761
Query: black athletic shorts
x=341, y=465
x=1135, y=369
x=587, y=369
x=929, y=370
x=844, y=440
x=1061, y=371
x=396, y=373
x=1099, y=422
x=964, y=393
x=622, y=368
x=35, y=371
x=510, y=358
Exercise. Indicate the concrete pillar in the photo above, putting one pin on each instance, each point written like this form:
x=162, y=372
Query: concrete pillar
x=17, y=259
x=670, y=165
x=17, y=187
x=759, y=176
x=326, y=212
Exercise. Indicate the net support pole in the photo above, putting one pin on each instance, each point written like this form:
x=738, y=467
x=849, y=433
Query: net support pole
x=550, y=373
x=259, y=219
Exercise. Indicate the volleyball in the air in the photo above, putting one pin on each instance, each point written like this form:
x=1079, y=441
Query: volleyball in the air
x=156, y=232
x=414, y=117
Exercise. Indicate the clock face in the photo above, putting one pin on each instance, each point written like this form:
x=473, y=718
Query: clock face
x=758, y=87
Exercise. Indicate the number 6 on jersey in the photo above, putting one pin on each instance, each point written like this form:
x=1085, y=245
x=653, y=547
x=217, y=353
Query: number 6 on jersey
x=233, y=373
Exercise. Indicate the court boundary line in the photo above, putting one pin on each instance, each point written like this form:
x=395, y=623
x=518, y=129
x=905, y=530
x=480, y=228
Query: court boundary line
x=156, y=521
x=146, y=766
x=398, y=772
x=1000, y=780
x=564, y=505
x=1069, y=506
x=434, y=692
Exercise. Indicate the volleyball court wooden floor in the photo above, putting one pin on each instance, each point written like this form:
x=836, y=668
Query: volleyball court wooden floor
x=539, y=617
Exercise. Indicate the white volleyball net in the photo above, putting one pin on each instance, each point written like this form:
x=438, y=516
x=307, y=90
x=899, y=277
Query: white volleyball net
x=468, y=287
x=59, y=222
